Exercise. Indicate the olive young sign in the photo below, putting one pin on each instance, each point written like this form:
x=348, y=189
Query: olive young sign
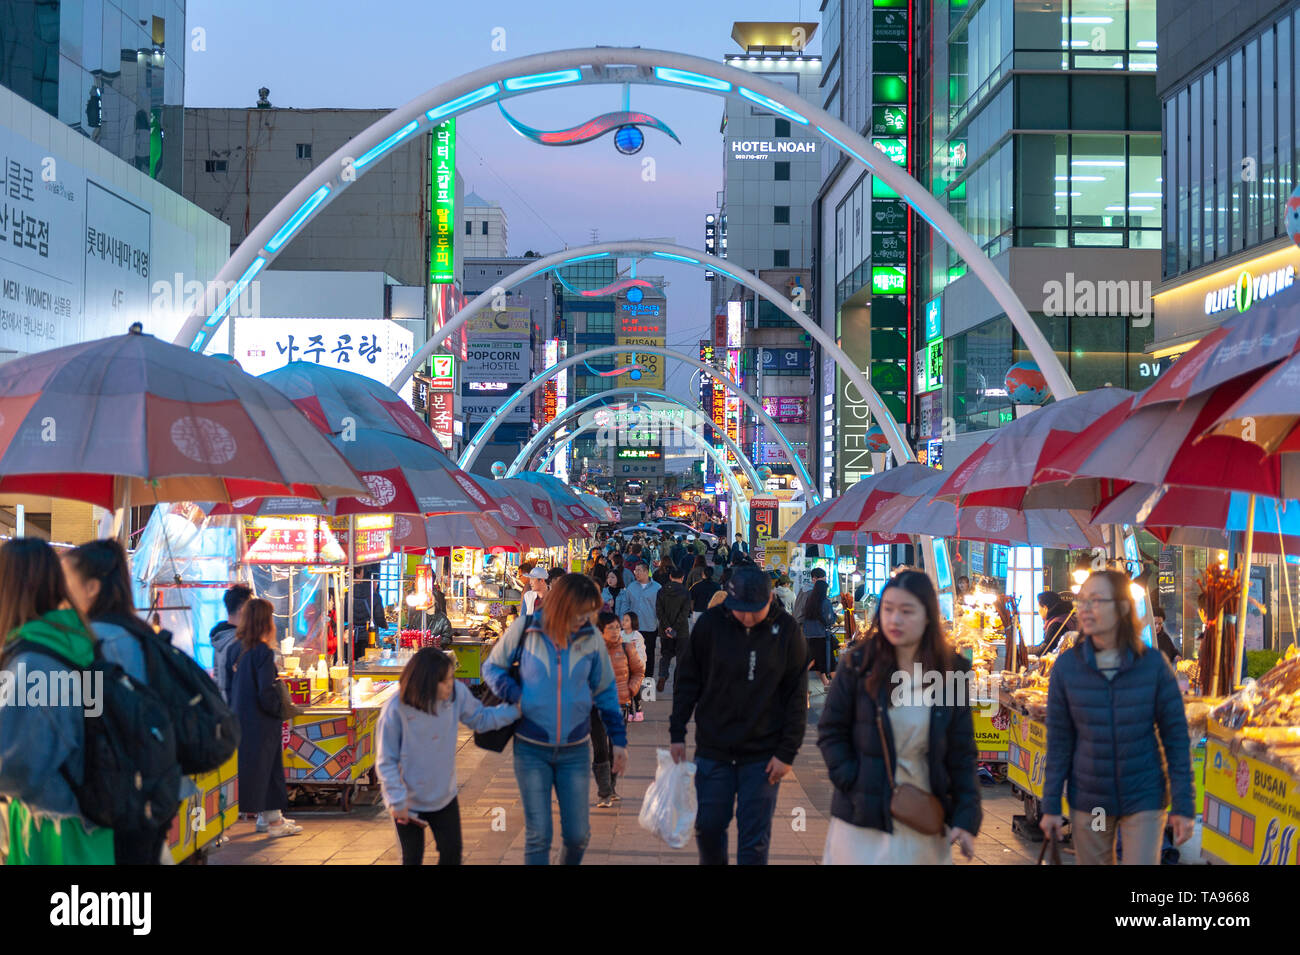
x=1248, y=289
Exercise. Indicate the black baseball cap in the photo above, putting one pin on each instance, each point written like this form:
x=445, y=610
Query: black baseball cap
x=749, y=589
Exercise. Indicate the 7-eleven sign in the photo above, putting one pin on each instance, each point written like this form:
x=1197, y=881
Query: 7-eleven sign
x=444, y=372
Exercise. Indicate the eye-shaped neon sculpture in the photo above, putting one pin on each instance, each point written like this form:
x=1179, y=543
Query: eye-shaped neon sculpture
x=628, y=138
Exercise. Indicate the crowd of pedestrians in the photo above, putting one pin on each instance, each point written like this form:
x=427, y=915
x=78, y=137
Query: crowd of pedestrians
x=738, y=648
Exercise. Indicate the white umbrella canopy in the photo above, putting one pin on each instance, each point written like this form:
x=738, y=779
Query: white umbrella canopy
x=1038, y=527
x=133, y=416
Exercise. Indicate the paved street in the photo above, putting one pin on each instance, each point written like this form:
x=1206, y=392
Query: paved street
x=488, y=792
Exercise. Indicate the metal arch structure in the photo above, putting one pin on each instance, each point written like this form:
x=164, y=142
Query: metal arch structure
x=687, y=256
x=599, y=65
x=472, y=450
x=741, y=510
x=534, y=444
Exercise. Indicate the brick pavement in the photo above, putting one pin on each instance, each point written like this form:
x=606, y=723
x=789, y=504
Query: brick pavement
x=492, y=817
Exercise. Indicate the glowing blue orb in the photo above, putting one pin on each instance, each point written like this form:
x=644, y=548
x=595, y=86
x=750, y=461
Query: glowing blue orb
x=629, y=140
x=635, y=374
x=498, y=469
x=634, y=294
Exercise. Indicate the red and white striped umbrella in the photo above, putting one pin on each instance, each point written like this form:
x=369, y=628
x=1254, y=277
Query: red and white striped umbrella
x=1269, y=413
x=132, y=415
x=812, y=528
x=452, y=530
x=1244, y=346
x=403, y=477
x=338, y=400
x=1039, y=527
x=1165, y=443
x=542, y=509
x=528, y=530
x=1001, y=471
x=855, y=509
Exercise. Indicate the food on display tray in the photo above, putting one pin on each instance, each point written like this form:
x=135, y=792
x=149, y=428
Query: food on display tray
x=1272, y=700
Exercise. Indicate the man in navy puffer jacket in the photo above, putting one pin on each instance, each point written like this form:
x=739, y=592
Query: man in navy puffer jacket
x=1117, y=739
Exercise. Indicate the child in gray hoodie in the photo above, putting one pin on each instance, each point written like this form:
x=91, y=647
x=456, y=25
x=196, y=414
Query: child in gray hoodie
x=417, y=753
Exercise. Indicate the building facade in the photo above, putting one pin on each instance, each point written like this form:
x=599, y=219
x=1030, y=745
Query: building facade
x=1227, y=87
x=1038, y=127
x=771, y=174
x=240, y=162
x=485, y=228
x=113, y=70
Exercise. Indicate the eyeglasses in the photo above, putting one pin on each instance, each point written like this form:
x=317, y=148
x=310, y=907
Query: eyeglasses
x=1088, y=604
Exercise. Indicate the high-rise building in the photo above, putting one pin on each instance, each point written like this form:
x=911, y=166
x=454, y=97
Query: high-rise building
x=1037, y=125
x=113, y=70
x=484, y=228
x=771, y=173
x=1230, y=160
x=1228, y=93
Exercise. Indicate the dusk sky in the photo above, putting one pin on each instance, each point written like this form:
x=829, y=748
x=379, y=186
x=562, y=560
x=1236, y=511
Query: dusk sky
x=327, y=53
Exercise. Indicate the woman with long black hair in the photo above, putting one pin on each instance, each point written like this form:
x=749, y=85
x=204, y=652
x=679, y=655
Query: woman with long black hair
x=882, y=728
x=42, y=748
x=818, y=619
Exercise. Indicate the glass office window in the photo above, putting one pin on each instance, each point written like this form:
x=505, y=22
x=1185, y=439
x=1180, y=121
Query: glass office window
x=1097, y=351
x=1098, y=25
x=1268, y=217
x=1097, y=197
x=1237, y=141
x=1192, y=143
x=1142, y=25
x=1208, y=153
x=1285, y=115
x=1180, y=142
x=1223, y=171
x=1251, y=175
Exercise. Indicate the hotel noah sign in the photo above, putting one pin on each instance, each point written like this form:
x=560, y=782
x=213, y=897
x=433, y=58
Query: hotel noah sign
x=1203, y=303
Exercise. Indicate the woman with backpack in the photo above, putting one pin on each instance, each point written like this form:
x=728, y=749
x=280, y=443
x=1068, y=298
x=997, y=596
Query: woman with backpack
x=930, y=754
x=255, y=697
x=40, y=819
x=564, y=671
x=818, y=619
x=99, y=585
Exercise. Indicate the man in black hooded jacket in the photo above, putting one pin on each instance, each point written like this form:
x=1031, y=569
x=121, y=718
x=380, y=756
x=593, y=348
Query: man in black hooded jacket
x=673, y=608
x=742, y=675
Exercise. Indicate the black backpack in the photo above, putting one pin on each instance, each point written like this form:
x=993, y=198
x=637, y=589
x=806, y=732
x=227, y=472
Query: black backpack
x=131, y=780
x=207, y=730
x=494, y=741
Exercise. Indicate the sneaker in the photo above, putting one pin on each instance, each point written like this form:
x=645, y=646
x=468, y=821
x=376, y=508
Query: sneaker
x=262, y=825
x=604, y=802
x=638, y=717
x=286, y=828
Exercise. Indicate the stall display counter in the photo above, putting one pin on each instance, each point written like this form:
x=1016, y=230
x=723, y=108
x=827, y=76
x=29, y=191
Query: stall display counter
x=203, y=818
x=331, y=744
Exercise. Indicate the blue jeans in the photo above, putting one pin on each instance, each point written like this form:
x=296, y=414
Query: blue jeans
x=566, y=769
x=720, y=787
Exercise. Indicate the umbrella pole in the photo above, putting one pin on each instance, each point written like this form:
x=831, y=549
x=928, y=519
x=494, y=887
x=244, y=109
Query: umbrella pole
x=1245, y=592
x=1286, y=574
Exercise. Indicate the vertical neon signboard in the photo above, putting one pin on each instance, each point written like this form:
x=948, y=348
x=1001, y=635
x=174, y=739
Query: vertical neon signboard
x=442, y=204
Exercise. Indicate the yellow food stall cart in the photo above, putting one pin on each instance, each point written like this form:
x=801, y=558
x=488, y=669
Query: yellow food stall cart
x=1252, y=772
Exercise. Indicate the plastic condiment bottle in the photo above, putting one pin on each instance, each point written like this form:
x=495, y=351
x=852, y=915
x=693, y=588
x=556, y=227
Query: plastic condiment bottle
x=322, y=680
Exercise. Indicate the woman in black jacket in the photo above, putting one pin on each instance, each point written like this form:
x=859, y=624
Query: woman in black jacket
x=1058, y=620
x=255, y=698
x=874, y=697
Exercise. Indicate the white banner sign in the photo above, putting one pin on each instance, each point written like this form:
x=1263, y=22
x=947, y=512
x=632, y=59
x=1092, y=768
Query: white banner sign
x=508, y=361
x=375, y=347
x=480, y=409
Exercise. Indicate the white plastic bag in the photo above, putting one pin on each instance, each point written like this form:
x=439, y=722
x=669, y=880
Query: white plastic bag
x=668, y=809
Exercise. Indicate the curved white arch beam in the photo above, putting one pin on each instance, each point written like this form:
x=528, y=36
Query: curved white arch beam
x=687, y=256
x=609, y=65
x=471, y=452
x=741, y=510
x=533, y=445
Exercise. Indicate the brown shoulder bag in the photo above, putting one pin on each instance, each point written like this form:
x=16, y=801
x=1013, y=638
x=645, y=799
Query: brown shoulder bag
x=910, y=805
